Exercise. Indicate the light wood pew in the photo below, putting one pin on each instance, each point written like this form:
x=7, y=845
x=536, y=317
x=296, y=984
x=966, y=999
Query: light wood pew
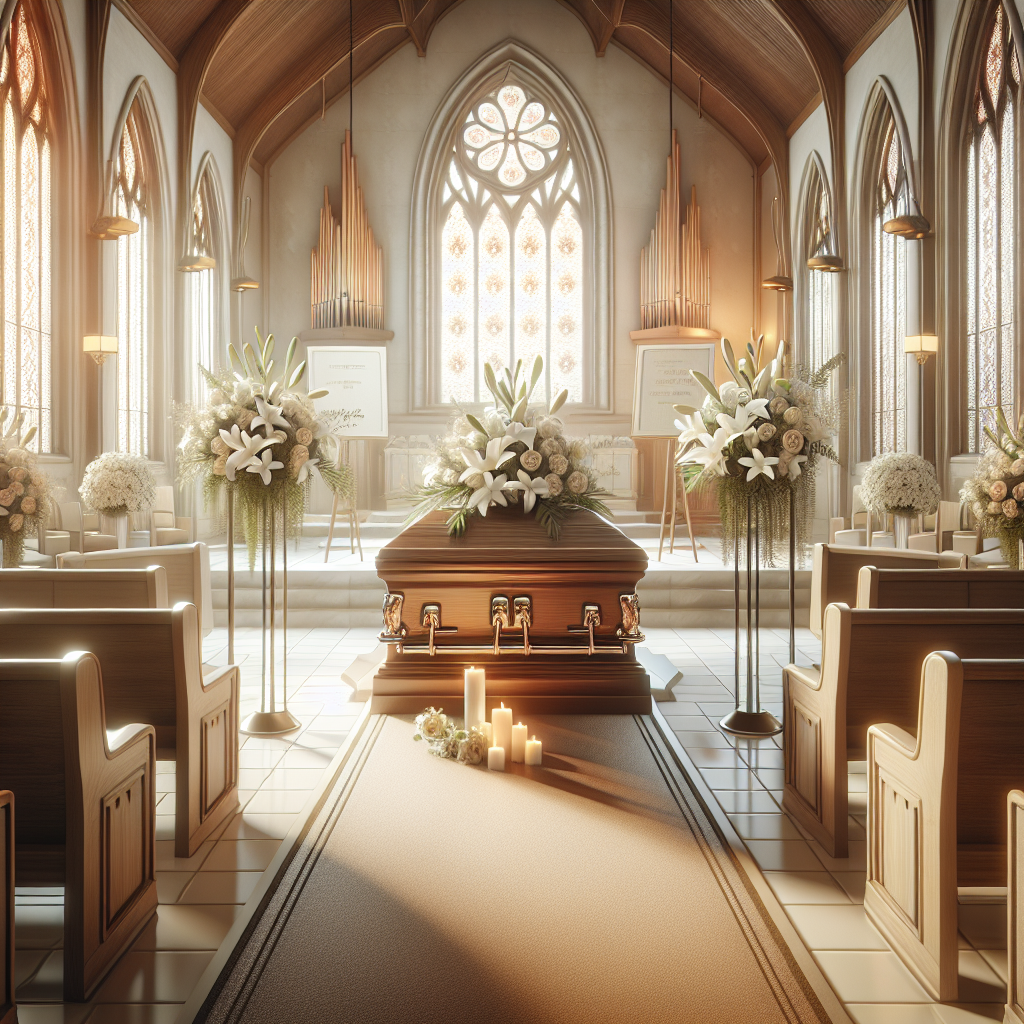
x=1014, y=1010
x=152, y=672
x=84, y=588
x=937, y=808
x=870, y=672
x=947, y=588
x=187, y=567
x=834, y=572
x=86, y=809
x=8, y=1010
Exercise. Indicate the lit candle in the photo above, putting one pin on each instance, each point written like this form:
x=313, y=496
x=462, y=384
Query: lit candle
x=518, y=743
x=476, y=690
x=534, y=751
x=501, y=722
x=488, y=731
x=496, y=759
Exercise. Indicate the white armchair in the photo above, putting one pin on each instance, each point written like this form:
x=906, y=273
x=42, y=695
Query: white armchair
x=164, y=526
x=81, y=537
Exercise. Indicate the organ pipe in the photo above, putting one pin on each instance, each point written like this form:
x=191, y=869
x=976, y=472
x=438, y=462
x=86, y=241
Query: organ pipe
x=347, y=265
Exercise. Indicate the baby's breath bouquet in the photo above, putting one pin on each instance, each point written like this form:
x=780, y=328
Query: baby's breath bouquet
x=512, y=452
x=24, y=488
x=116, y=484
x=260, y=436
x=759, y=436
x=445, y=739
x=996, y=492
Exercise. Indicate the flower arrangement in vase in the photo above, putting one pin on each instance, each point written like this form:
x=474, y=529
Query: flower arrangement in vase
x=512, y=453
x=117, y=484
x=996, y=492
x=902, y=485
x=759, y=437
x=260, y=436
x=24, y=488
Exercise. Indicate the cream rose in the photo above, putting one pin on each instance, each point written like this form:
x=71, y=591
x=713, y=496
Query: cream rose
x=28, y=506
x=578, y=482
x=7, y=497
x=473, y=747
x=997, y=491
x=793, y=416
x=245, y=417
x=220, y=465
x=554, y=482
x=1010, y=509
x=793, y=441
x=218, y=447
x=1017, y=469
x=475, y=481
x=16, y=522
x=1018, y=492
x=549, y=426
x=766, y=431
x=531, y=461
x=304, y=436
x=18, y=474
x=558, y=464
x=550, y=446
x=432, y=724
x=778, y=405
x=994, y=508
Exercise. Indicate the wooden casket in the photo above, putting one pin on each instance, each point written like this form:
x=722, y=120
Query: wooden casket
x=552, y=623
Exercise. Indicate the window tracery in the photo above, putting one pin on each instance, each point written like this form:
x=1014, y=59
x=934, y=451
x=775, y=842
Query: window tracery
x=821, y=287
x=201, y=285
x=26, y=232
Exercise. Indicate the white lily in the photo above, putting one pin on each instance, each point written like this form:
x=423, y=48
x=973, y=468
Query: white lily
x=494, y=456
x=263, y=464
x=690, y=428
x=759, y=464
x=269, y=416
x=520, y=432
x=244, y=448
x=710, y=452
x=305, y=469
x=532, y=489
x=793, y=467
x=489, y=493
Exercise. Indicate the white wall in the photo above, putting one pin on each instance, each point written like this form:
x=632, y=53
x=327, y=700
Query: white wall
x=629, y=108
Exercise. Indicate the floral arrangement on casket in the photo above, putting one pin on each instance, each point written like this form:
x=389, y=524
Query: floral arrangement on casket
x=996, y=492
x=261, y=436
x=759, y=437
x=116, y=484
x=445, y=739
x=900, y=484
x=24, y=488
x=512, y=451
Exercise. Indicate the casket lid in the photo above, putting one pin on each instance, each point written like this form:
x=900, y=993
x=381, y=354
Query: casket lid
x=519, y=538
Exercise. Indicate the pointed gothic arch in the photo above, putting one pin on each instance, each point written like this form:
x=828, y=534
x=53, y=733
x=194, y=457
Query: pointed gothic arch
x=538, y=207
x=817, y=293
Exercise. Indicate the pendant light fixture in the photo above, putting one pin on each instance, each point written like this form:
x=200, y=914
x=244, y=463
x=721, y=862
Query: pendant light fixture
x=781, y=281
x=243, y=282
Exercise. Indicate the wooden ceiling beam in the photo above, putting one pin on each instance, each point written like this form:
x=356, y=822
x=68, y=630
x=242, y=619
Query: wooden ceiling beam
x=192, y=68
x=601, y=46
x=409, y=17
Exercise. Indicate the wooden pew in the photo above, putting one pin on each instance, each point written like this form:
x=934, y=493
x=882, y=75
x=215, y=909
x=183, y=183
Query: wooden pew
x=834, y=572
x=937, y=808
x=870, y=672
x=947, y=588
x=86, y=810
x=152, y=673
x=187, y=567
x=8, y=1010
x=84, y=588
x=1014, y=1011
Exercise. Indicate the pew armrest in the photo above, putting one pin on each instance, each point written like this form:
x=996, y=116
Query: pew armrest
x=895, y=737
x=803, y=675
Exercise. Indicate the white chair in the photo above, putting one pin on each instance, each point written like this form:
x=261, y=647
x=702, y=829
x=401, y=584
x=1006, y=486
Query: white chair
x=82, y=539
x=945, y=523
x=53, y=538
x=164, y=526
x=860, y=525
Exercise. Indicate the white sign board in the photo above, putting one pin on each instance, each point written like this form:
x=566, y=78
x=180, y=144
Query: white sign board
x=664, y=378
x=355, y=378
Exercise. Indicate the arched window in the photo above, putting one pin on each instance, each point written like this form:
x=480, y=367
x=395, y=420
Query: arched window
x=822, y=343
x=993, y=226
x=134, y=284
x=25, y=228
x=888, y=297
x=513, y=246
x=202, y=286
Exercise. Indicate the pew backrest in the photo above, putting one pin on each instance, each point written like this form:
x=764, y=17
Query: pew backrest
x=835, y=568
x=872, y=658
x=943, y=588
x=85, y=588
x=187, y=567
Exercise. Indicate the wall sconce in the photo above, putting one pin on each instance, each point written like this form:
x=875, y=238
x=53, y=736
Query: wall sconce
x=911, y=225
x=924, y=346
x=243, y=284
x=99, y=346
x=194, y=264
x=111, y=228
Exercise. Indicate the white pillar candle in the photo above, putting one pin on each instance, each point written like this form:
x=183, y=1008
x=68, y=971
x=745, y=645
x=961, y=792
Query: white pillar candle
x=501, y=722
x=476, y=690
x=518, y=743
x=488, y=730
x=496, y=759
x=534, y=751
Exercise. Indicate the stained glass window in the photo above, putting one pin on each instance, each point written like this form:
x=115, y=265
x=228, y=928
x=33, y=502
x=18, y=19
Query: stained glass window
x=821, y=287
x=202, y=308
x=131, y=200
x=512, y=247
x=992, y=226
x=888, y=300
x=25, y=153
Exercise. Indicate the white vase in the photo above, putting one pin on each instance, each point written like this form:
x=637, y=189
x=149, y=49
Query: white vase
x=901, y=529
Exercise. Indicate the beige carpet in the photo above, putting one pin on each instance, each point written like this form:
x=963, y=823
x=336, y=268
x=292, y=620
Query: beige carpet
x=593, y=889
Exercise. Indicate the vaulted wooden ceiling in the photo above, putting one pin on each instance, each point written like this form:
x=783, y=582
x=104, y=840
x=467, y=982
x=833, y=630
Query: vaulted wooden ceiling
x=265, y=67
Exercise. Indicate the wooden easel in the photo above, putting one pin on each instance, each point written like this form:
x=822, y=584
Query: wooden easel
x=670, y=496
x=354, y=537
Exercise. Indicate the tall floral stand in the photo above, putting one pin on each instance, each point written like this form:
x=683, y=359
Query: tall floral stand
x=748, y=718
x=271, y=719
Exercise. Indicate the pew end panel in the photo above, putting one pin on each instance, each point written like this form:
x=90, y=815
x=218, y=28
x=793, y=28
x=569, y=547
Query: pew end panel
x=937, y=808
x=8, y=1009
x=1014, y=1010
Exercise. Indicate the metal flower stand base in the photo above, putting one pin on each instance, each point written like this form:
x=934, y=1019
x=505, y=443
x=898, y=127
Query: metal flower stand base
x=270, y=720
x=751, y=719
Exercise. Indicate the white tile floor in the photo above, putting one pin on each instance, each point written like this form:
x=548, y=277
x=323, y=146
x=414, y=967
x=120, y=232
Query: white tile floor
x=200, y=897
